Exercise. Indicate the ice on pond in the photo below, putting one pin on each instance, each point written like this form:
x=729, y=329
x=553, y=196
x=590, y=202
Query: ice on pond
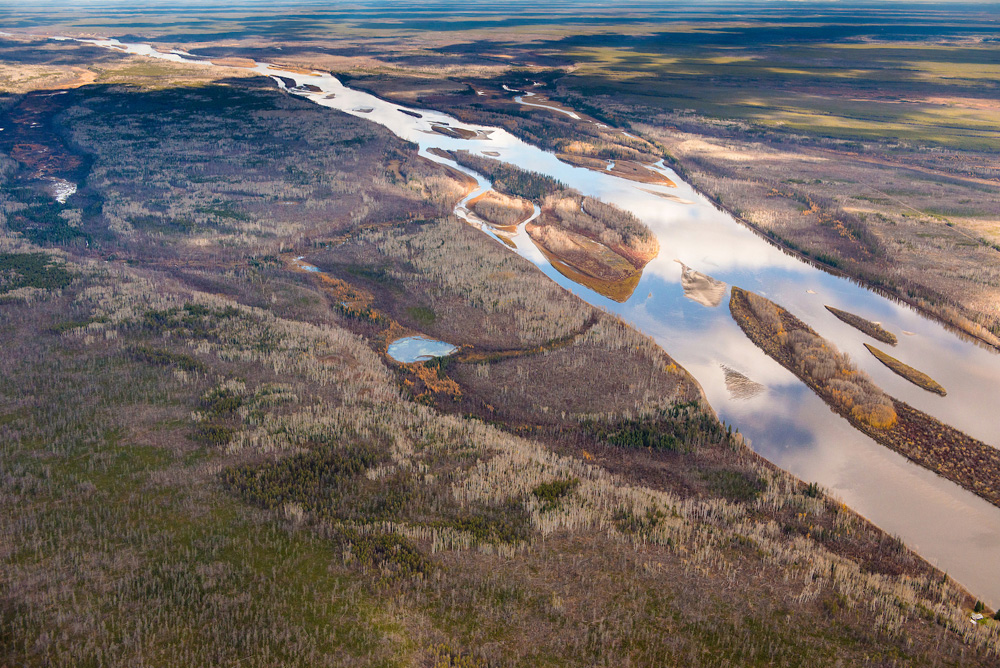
x=418, y=349
x=305, y=266
x=61, y=190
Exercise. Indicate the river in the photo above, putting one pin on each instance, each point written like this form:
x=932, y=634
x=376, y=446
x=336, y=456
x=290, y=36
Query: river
x=687, y=313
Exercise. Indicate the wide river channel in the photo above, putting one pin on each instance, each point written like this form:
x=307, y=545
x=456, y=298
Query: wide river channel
x=687, y=313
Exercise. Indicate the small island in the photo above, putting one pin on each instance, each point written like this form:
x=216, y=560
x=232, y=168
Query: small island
x=872, y=329
x=632, y=170
x=915, y=376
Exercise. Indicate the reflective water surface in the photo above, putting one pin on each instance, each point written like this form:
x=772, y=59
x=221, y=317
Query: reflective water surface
x=681, y=301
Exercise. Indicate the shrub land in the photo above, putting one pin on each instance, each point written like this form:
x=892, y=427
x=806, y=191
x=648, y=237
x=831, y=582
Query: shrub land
x=915, y=376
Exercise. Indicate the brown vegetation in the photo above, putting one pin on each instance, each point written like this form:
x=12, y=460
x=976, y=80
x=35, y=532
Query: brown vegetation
x=619, y=230
x=501, y=210
x=617, y=289
x=234, y=62
x=626, y=169
x=584, y=254
x=915, y=376
x=814, y=359
x=919, y=437
x=872, y=329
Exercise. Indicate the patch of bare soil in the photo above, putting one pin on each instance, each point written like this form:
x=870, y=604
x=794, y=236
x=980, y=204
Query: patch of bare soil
x=626, y=169
x=586, y=255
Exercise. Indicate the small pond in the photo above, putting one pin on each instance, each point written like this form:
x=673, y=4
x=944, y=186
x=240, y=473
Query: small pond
x=418, y=349
x=305, y=266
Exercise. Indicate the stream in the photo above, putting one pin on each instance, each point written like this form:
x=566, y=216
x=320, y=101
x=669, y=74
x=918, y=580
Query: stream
x=681, y=301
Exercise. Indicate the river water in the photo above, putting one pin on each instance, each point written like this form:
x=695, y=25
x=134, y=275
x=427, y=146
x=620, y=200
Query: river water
x=682, y=302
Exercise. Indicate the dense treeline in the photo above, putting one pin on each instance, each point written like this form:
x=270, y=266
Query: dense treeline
x=31, y=270
x=507, y=178
x=681, y=428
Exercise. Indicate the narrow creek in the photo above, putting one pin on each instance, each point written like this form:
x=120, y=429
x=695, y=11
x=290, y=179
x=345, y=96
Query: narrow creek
x=681, y=301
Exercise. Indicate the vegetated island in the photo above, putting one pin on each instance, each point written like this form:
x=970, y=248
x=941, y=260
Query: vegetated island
x=872, y=329
x=611, y=230
x=454, y=133
x=906, y=371
x=501, y=210
x=850, y=392
x=626, y=169
x=587, y=240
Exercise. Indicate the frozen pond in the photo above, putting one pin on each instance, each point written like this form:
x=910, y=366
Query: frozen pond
x=62, y=189
x=418, y=349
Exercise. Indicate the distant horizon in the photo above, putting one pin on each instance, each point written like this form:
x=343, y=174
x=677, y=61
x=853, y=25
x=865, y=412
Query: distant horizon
x=451, y=14
x=493, y=7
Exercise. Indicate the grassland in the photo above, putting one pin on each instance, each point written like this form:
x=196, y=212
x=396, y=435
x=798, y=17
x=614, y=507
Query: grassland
x=208, y=460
